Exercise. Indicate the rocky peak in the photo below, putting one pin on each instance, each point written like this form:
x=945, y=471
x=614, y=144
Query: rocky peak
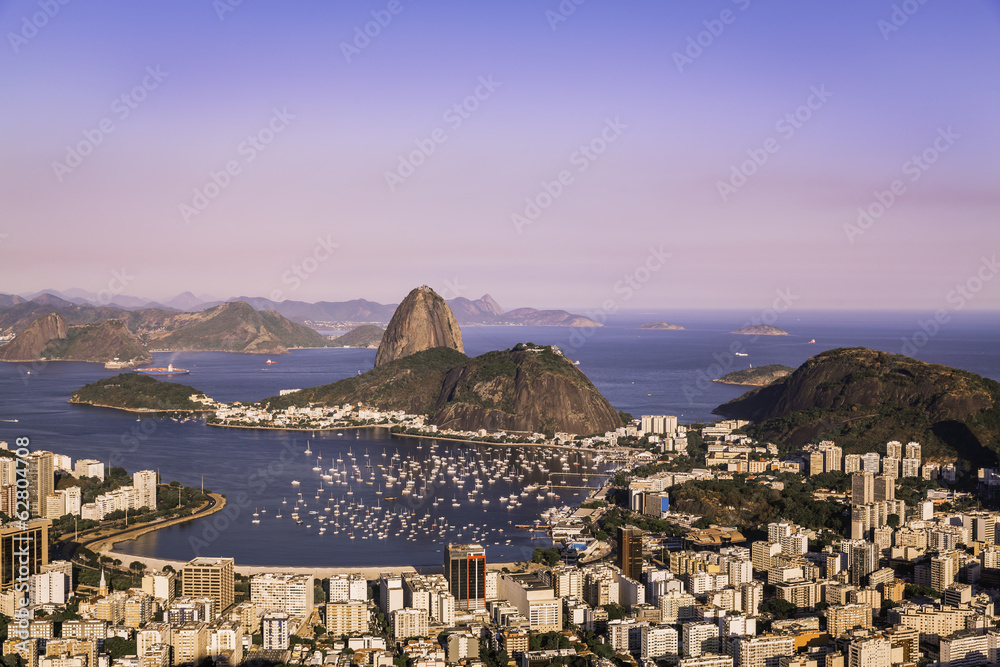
x=421, y=322
x=28, y=344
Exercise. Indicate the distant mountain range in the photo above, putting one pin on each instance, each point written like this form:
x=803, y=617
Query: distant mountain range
x=57, y=329
x=322, y=314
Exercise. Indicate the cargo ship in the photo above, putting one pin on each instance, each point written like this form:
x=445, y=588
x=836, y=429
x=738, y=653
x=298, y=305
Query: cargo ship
x=169, y=370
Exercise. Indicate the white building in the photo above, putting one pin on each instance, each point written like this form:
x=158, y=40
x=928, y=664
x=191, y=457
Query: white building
x=276, y=630
x=89, y=468
x=144, y=482
x=281, y=591
x=347, y=588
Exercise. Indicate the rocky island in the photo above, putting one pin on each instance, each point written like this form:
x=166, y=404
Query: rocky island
x=421, y=369
x=666, y=326
x=760, y=330
x=756, y=377
x=140, y=393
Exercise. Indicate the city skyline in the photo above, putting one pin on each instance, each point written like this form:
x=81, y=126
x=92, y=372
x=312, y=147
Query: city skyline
x=547, y=154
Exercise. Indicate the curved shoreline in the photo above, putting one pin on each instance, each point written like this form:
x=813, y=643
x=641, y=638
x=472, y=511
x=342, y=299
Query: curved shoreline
x=142, y=410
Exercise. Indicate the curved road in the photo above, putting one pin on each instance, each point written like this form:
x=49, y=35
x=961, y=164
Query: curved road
x=68, y=546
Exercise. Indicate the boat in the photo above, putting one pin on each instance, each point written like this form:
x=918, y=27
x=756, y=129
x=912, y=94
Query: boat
x=741, y=354
x=270, y=363
x=169, y=370
x=813, y=340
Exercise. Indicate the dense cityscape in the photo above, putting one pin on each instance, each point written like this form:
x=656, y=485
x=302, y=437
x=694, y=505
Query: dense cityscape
x=905, y=571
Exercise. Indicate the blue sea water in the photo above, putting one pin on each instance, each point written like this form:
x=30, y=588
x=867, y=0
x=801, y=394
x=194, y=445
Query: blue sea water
x=639, y=371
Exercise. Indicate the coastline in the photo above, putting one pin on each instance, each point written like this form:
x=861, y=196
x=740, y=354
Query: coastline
x=183, y=411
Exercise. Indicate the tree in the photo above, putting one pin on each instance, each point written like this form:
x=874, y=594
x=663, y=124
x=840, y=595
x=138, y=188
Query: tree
x=892, y=521
x=615, y=611
x=117, y=647
x=778, y=608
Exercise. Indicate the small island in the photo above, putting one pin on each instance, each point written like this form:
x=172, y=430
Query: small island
x=760, y=330
x=367, y=336
x=756, y=377
x=664, y=326
x=140, y=393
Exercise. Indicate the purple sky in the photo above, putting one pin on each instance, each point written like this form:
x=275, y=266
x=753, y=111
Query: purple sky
x=882, y=87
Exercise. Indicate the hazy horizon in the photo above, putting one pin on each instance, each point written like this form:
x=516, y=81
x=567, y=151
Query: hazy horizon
x=632, y=155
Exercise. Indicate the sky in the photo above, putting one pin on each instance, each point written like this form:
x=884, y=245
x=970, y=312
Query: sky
x=581, y=154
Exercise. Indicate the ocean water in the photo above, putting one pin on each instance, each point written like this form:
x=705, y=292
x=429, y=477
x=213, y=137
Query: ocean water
x=641, y=372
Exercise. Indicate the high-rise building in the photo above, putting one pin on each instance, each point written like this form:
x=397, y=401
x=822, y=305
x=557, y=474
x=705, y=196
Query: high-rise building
x=762, y=650
x=700, y=637
x=144, y=482
x=658, y=642
x=863, y=558
x=885, y=488
x=894, y=449
x=534, y=600
x=862, y=488
x=409, y=623
x=465, y=570
x=190, y=643
x=852, y=463
x=817, y=462
x=41, y=481
x=280, y=591
x=942, y=572
x=844, y=617
x=775, y=531
x=658, y=424
x=347, y=588
x=32, y=541
x=630, y=551
x=390, y=592
x=833, y=457
x=910, y=468
x=871, y=462
x=89, y=468
x=160, y=585
x=869, y=652
x=276, y=631
x=913, y=450
x=210, y=578
x=346, y=618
